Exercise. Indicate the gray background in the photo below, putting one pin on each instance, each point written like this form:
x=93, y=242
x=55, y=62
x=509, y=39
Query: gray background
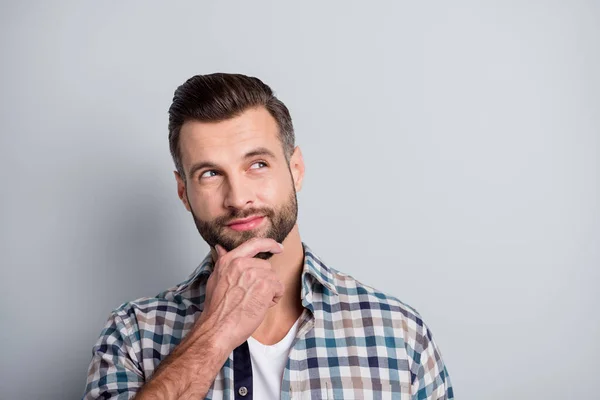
x=452, y=159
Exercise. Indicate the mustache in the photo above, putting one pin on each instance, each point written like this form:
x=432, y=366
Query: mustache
x=239, y=214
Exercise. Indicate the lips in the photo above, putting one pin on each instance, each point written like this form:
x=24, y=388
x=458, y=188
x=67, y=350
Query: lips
x=246, y=224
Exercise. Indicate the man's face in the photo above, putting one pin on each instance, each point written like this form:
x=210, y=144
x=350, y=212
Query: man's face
x=239, y=183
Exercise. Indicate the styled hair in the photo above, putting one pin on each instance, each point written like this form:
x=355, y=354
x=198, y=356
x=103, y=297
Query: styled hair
x=218, y=97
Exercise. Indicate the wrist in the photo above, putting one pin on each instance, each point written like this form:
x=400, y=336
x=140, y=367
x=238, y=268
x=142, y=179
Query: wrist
x=212, y=338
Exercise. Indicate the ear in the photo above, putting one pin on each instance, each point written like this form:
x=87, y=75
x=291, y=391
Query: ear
x=297, y=168
x=181, y=191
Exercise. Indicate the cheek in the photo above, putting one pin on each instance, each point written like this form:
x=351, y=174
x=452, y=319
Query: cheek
x=266, y=192
x=274, y=191
x=206, y=203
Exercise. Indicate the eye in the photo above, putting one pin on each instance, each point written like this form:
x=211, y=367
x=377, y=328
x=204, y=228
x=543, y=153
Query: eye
x=258, y=165
x=208, y=174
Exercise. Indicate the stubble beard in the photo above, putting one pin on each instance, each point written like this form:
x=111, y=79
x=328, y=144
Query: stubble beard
x=280, y=221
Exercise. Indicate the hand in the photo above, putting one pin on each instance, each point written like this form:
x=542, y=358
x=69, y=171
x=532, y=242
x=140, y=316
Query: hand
x=240, y=290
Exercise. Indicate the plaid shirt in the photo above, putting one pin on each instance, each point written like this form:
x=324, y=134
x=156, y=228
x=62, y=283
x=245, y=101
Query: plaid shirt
x=353, y=342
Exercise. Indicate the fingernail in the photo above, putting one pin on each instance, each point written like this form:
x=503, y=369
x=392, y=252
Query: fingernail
x=280, y=245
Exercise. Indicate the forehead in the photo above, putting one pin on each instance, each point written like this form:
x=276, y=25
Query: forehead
x=229, y=140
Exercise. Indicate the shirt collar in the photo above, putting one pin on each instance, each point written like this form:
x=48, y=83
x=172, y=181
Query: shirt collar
x=313, y=271
x=316, y=270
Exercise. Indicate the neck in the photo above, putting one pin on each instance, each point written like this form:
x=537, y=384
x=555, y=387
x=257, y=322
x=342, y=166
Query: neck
x=288, y=266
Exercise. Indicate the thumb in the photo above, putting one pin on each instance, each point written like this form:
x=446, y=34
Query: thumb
x=220, y=251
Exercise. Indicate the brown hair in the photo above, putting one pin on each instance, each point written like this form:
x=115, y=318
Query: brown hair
x=218, y=97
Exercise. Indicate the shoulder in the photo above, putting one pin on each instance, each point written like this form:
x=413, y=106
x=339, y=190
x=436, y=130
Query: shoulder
x=405, y=320
x=346, y=293
x=173, y=307
x=352, y=290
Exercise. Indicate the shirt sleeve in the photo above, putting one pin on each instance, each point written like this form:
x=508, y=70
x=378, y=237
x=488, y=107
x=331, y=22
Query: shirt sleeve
x=430, y=376
x=114, y=372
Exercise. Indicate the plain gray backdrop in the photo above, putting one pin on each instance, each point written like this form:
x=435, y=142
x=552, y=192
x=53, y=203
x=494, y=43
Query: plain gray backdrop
x=452, y=154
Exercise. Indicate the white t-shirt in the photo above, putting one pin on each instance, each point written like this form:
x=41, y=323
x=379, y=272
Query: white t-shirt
x=268, y=363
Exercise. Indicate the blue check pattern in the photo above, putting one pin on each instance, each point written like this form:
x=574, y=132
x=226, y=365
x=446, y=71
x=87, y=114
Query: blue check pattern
x=353, y=342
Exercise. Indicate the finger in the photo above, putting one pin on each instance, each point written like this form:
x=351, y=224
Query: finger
x=279, y=289
x=253, y=271
x=239, y=269
x=278, y=294
x=254, y=246
x=220, y=251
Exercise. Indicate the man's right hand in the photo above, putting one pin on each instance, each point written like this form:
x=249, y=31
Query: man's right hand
x=240, y=290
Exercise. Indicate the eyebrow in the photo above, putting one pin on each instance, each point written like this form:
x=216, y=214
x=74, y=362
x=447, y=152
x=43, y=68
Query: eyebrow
x=259, y=151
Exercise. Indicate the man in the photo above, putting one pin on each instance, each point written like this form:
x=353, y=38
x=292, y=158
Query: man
x=262, y=317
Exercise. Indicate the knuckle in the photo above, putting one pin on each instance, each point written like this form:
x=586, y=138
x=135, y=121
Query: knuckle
x=237, y=264
x=252, y=273
x=248, y=274
x=262, y=285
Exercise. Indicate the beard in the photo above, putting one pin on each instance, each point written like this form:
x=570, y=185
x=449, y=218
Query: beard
x=280, y=220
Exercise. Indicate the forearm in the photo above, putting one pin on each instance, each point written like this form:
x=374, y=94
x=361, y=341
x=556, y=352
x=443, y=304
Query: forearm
x=189, y=371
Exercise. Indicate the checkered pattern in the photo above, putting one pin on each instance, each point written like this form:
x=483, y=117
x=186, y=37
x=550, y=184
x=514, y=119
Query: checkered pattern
x=353, y=342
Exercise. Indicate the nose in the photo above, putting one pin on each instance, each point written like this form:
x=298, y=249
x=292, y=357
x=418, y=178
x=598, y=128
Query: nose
x=239, y=194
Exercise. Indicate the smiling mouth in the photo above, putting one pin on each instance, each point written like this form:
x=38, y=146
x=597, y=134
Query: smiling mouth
x=246, y=224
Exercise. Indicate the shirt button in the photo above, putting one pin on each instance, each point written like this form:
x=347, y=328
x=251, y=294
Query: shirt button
x=243, y=391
